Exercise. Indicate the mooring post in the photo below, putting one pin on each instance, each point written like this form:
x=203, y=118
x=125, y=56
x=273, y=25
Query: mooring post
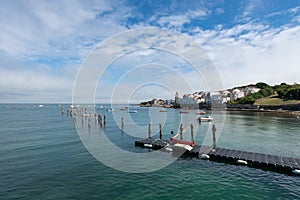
x=104, y=119
x=214, y=135
x=149, y=130
x=90, y=122
x=160, y=131
x=122, y=120
x=62, y=110
x=192, y=132
x=100, y=120
x=181, y=131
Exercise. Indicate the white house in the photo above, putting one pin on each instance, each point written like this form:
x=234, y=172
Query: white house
x=249, y=90
x=236, y=93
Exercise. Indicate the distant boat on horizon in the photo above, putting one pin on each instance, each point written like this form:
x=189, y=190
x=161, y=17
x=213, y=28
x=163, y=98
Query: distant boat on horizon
x=201, y=113
x=124, y=108
x=162, y=110
x=183, y=111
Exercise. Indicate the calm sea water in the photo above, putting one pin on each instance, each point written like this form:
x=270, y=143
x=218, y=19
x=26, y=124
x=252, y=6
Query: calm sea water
x=42, y=157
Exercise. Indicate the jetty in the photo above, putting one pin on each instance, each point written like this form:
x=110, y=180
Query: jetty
x=255, y=160
x=287, y=165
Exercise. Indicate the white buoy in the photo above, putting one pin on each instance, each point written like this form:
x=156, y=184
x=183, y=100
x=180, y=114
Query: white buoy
x=148, y=145
x=242, y=162
x=169, y=149
x=204, y=156
x=296, y=171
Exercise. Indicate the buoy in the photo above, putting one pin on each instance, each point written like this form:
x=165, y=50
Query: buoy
x=204, y=156
x=148, y=145
x=242, y=162
x=169, y=149
x=296, y=171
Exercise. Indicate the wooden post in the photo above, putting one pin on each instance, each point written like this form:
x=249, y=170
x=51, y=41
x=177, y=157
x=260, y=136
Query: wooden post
x=100, y=120
x=104, y=119
x=90, y=122
x=214, y=135
x=160, y=131
x=122, y=120
x=181, y=131
x=149, y=130
x=192, y=132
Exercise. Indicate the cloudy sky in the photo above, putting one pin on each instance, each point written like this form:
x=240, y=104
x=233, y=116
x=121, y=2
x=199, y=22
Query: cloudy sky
x=43, y=44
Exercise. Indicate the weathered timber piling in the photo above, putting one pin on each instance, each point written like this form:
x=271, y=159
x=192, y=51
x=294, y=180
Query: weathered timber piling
x=149, y=130
x=90, y=122
x=214, y=135
x=100, y=120
x=104, y=119
x=192, y=132
x=181, y=131
x=122, y=121
x=160, y=131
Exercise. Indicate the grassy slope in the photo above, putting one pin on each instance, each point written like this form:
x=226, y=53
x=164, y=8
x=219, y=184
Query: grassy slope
x=274, y=100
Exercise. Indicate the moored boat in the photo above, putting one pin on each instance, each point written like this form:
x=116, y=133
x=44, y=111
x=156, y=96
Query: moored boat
x=183, y=111
x=205, y=119
x=124, y=108
x=132, y=111
x=176, y=141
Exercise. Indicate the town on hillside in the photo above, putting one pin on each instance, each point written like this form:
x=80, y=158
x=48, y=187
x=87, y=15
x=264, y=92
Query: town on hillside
x=244, y=95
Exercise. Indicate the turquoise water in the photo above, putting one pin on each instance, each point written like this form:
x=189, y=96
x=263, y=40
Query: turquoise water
x=42, y=157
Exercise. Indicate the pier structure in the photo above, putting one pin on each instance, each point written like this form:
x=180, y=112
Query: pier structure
x=268, y=162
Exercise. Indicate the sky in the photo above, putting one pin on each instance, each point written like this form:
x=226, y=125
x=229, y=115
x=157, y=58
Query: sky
x=43, y=45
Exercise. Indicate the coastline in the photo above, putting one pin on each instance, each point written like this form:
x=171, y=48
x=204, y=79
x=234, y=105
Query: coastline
x=288, y=109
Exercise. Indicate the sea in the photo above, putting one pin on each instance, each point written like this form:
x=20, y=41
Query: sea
x=42, y=155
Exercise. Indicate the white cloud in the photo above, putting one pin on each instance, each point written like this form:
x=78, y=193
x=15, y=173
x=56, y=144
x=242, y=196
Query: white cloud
x=253, y=52
x=178, y=20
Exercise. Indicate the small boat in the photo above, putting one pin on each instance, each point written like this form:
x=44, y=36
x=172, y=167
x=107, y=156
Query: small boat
x=201, y=113
x=132, y=111
x=124, y=108
x=110, y=110
x=176, y=141
x=40, y=106
x=183, y=111
x=100, y=106
x=162, y=110
x=205, y=119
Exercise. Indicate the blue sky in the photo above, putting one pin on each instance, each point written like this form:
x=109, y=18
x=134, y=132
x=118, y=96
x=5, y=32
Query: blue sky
x=44, y=43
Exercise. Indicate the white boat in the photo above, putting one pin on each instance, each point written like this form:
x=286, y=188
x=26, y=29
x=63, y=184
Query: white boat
x=124, y=108
x=40, y=106
x=110, y=110
x=132, y=111
x=206, y=119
